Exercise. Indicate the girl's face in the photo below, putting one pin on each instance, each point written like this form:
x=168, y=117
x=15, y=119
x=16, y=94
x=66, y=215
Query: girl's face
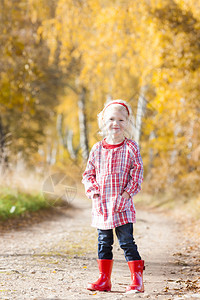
x=116, y=121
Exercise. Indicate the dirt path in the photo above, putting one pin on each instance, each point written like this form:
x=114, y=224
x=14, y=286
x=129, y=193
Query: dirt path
x=56, y=258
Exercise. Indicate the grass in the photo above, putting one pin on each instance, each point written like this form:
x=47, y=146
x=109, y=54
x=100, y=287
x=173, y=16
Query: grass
x=84, y=244
x=15, y=203
x=184, y=209
x=167, y=202
x=160, y=202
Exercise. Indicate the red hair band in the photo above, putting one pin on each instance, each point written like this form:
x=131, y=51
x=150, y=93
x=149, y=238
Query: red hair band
x=115, y=102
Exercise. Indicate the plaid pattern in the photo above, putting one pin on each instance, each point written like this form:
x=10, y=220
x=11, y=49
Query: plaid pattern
x=110, y=172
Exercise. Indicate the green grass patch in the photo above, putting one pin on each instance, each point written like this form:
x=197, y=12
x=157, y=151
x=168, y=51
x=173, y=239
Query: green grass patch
x=15, y=203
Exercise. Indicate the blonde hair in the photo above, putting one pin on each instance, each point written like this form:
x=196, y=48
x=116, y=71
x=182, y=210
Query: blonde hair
x=120, y=104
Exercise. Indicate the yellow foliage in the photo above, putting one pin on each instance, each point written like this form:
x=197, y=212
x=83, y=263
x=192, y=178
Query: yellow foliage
x=114, y=48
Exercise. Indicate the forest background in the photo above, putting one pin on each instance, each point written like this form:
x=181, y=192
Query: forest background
x=61, y=60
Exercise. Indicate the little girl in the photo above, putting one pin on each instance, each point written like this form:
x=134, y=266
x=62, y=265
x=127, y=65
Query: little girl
x=113, y=175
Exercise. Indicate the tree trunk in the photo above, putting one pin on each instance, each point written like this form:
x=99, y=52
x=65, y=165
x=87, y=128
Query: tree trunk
x=151, y=154
x=82, y=125
x=140, y=113
x=69, y=143
x=66, y=139
x=3, y=148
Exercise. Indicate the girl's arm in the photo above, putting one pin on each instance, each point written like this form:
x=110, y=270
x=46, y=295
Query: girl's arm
x=89, y=177
x=136, y=175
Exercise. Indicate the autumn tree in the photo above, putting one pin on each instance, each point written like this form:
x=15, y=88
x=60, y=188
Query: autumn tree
x=72, y=55
x=29, y=87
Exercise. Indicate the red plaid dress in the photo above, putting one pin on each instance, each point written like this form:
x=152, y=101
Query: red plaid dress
x=109, y=173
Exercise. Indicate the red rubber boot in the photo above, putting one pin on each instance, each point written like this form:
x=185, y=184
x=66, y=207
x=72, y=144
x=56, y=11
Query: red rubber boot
x=104, y=282
x=136, y=267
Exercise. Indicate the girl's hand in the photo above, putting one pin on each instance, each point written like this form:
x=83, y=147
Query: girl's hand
x=126, y=195
x=95, y=196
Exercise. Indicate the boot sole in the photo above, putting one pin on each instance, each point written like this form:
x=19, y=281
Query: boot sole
x=134, y=291
x=100, y=290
